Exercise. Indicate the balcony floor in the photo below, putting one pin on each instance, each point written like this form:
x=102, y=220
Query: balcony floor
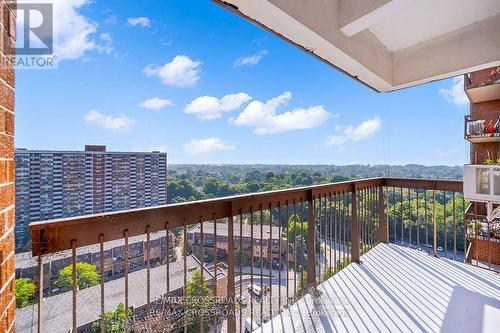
x=397, y=289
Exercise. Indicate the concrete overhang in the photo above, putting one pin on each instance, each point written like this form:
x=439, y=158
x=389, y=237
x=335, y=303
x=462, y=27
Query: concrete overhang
x=484, y=93
x=386, y=44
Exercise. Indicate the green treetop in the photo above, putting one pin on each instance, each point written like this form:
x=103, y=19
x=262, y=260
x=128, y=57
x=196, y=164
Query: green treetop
x=86, y=276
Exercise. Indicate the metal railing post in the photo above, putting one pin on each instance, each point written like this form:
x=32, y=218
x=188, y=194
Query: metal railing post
x=434, y=222
x=40, y=293
x=383, y=217
x=354, y=227
x=74, y=281
x=311, y=239
x=231, y=318
x=40, y=282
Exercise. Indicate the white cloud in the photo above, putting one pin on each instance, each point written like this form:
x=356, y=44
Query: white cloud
x=262, y=116
x=208, y=107
x=206, y=146
x=180, y=72
x=74, y=34
x=250, y=60
x=455, y=94
x=363, y=131
x=447, y=152
x=119, y=123
x=107, y=46
x=73, y=30
x=155, y=103
x=141, y=21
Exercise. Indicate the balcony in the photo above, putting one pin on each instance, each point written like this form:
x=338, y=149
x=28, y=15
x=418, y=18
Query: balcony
x=483, y=236
x=482, y=183
x=380, y=244
x=480, y=130
x=483, y=88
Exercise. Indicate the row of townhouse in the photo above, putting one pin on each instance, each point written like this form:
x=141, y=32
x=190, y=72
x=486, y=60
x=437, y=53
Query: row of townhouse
x=114, y=258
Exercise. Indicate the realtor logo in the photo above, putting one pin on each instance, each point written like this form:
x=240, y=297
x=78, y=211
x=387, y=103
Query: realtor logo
x=35, y=36
x=37, y=29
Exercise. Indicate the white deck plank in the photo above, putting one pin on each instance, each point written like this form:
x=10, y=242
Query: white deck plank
x=397, y=289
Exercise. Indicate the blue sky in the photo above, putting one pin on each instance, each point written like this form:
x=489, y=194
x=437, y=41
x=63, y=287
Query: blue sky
x=205, y=85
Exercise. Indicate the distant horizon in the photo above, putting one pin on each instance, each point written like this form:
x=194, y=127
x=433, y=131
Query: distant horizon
x=320, y=164
x=240, y=164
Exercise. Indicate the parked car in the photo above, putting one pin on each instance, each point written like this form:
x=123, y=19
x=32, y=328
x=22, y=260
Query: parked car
x=255, y=289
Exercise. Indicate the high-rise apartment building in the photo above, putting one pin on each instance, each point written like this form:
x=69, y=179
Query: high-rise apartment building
x=482, y=175
x=56, y=184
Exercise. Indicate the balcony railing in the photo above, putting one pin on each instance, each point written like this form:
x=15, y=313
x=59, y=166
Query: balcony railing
x=483, y=237
x=483, y=85
x=481, y=130
x=482, y=78
x=320, y=229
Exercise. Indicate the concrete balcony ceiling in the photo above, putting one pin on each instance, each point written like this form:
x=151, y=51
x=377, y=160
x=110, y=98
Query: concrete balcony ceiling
x=386, y=44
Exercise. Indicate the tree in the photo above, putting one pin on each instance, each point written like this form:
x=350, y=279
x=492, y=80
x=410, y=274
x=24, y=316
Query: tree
x=86, y=276
x=300, y=245
x=296, y=228
x=114, y=321
x=199, y=302
x=25, y=292
x=241, y=256
x=265, y=217
x=182, y=188
x=211, y=186
x=253, y=186
x=409, y=217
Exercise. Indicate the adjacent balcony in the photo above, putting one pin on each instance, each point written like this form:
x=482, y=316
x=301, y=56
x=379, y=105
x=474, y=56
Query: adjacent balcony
x=373, y=254
x=483, y=85
x=481, y=130
x=482, y=182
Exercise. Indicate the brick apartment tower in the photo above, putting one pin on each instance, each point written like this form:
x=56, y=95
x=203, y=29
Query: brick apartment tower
x=7, y=169
x=483, y=90
x=484, y=97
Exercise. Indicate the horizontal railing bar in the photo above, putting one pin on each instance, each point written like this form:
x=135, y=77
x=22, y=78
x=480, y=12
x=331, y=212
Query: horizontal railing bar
x=426, y=184
x=56, y=235
x=267, y=196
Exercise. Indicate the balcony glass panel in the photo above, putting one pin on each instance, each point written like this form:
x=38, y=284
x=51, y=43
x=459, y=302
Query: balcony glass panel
x=496, y=181
x=483, y=181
